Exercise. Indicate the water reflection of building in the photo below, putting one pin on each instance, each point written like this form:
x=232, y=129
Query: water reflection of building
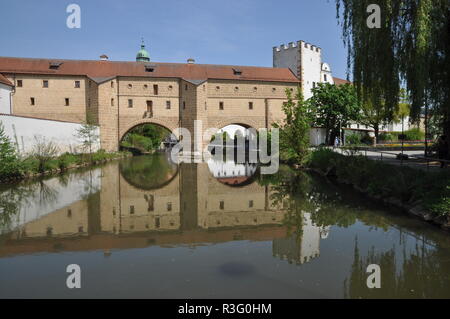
x=183, y=204
x=304, y=249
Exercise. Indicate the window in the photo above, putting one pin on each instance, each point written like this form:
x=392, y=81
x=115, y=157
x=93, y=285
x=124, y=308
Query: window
x=170, y=87
x=145, y=86
x=130, y=103
x=250, y=203
x=274, y=90
x=112, y=84
x=149, y=105
x=222, y=205
x=184, y=105
x=237, y=72
x=112, y=102
x=157, y=222
x=67, y=101
x=236, y=88
x=314, y=84
x=220, y=105
x=45, y=84
x=77, y=84
x=250, y=105
x=185, y=87
x=19, y=83
x=169, y=207
x=217, y=88
x=149, y=67
x=155, y=89
x=255, y=89
x=89, y=102
x=69, y=213
x=325, y=77
x=168, y=105
x=32, y=101
x=130, y=86
x=131, y=209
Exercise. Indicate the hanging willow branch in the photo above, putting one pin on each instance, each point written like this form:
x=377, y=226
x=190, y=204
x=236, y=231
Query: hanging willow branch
x=411, y=49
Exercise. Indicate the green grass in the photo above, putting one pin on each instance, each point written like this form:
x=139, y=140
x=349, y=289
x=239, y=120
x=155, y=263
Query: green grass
x=30, y=165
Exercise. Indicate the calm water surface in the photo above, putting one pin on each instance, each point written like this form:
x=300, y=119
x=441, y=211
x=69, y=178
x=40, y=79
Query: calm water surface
x=147, y=228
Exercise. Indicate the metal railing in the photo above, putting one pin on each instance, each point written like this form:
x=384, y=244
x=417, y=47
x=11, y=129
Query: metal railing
x=400, y=156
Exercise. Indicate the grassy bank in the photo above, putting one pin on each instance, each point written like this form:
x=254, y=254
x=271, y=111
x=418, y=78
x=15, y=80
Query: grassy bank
x=34, y=166
x=428, y=192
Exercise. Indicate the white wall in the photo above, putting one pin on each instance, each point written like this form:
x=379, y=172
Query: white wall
x=311, y=61
x=23, y=132
x=5, y=99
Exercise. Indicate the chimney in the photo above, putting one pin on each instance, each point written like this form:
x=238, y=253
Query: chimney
x=104, y=57
x=190, y=61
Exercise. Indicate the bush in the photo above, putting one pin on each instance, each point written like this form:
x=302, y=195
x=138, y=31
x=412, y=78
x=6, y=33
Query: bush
x=414, y=134
x=405, y=183
x=391, y=137
x=10, y=165
x=66, y=160
x=353, y=139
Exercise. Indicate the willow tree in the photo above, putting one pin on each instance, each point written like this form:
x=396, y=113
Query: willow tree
x=410, y=49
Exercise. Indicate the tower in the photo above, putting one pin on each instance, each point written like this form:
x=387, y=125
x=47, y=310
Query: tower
x=142, y=55
x=305, y=61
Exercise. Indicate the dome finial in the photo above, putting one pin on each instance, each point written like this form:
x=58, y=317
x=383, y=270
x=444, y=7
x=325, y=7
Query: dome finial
x=142, y=54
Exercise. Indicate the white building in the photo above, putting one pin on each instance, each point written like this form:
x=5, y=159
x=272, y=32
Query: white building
x=305, y=61
x=6, y=88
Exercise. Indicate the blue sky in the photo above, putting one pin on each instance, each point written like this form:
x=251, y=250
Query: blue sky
x=237, y=32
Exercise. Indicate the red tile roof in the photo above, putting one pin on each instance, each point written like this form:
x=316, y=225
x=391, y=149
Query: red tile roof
x=339, y=81
x=104, y=69
x=4, y=80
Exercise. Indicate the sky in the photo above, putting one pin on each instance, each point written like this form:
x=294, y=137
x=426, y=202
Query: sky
x=234, y=32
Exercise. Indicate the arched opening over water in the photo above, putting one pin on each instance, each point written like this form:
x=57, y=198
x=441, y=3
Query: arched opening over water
x=146, y=138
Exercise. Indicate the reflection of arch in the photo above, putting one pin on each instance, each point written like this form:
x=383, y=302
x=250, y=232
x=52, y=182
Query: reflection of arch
x=144, y=176
x=230, y=177
x=165, y=124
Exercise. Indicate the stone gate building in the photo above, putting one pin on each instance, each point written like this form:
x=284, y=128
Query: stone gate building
x=119, y=96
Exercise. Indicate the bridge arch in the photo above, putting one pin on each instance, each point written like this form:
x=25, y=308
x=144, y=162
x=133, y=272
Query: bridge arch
x=167, y=125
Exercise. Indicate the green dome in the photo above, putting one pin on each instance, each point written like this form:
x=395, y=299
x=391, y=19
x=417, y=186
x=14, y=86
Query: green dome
x=142, y=54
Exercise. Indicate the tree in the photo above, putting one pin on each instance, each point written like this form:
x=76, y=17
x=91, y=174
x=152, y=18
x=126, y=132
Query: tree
x=335, y=107
x=411, y=47
x=43, y=151
x=9, y=160
x=88, y=134
x=294, y=131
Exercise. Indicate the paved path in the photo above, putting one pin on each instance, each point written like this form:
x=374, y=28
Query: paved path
x=390, y=157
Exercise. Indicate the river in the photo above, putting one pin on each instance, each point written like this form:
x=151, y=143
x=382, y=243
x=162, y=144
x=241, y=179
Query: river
x=144, y=227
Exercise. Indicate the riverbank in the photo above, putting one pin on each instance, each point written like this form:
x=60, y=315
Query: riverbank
x=32, y=167
x=419, y=193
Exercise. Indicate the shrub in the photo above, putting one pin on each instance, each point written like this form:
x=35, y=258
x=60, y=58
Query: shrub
x=67, y=159
x=388, y=137
x=414, y=134
x=405, y=183
x=10, y=165
x=353, y=139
